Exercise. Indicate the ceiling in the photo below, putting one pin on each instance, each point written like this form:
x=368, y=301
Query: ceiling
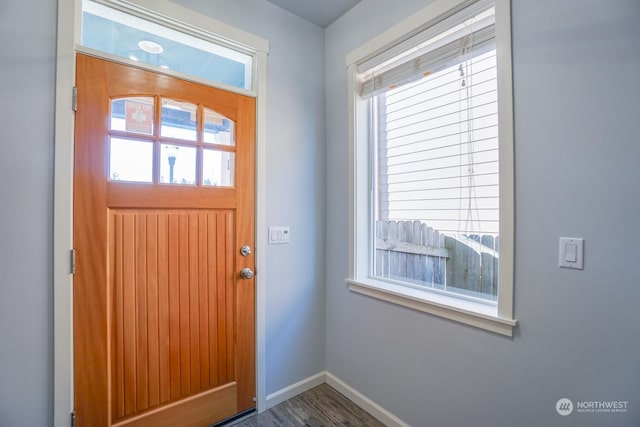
x=321, y=13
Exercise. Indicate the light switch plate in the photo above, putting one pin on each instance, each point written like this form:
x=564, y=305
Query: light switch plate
x=571, y=253
x=279, y=235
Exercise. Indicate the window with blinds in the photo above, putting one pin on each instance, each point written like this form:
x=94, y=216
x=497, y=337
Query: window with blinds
x=435, y=158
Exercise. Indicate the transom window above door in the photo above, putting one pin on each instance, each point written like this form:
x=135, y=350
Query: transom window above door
x=165, y=45
x=166, y=141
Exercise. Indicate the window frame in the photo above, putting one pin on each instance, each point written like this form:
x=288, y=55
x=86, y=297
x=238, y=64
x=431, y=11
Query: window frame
x=498, y=317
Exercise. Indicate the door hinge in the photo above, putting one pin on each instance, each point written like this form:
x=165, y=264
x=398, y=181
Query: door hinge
x=73, y=261
x=73, y=419
x=74, y=99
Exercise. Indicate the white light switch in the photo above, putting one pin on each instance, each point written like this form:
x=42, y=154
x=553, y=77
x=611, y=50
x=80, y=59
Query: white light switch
x=571, y=253
x=279, y=235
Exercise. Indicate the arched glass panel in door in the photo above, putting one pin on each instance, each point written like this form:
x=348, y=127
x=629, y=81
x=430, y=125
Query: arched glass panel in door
x=188, y=144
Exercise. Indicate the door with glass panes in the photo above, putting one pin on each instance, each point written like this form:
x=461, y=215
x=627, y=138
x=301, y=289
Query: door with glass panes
x=164, y=321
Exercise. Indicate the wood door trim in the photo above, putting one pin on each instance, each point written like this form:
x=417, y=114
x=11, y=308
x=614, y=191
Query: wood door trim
x=204, y=409
x=121, y=195
x=246, y=290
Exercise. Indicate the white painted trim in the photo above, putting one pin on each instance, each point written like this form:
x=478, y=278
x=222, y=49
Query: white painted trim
x=377, y=411
x=295, y=389
x=507, y=159
x=68, y=16
x=468, y=312
x=261, y=232
x=352, y=188
x=69, y=12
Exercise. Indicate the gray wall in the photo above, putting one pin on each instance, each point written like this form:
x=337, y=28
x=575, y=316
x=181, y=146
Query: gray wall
x=575, y=72
x=27, y=77
x=576, y=87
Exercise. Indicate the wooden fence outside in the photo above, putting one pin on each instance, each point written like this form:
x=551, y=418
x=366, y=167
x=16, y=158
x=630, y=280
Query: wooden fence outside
x=414, y=252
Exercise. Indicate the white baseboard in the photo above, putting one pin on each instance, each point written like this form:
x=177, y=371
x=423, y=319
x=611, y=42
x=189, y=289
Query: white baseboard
x=295, y=389
x=384, y=416
x=377, y=411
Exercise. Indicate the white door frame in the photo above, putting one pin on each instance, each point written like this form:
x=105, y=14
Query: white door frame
x=69, y=14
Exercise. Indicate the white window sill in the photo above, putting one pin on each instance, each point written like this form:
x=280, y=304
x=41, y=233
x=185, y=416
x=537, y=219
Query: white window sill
x=468, y=312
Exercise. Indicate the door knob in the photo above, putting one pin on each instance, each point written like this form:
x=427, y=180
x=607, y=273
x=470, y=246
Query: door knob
x=246, y=273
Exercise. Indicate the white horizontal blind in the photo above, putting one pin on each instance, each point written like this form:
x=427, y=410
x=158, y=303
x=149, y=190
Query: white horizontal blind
x=438, y=149
x=437, y=162
x=431, y=50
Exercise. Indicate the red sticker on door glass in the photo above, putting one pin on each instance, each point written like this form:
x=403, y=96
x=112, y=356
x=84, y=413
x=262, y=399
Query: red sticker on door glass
x=138, y=117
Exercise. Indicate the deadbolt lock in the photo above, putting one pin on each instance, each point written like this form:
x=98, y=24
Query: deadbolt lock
x=246, y=273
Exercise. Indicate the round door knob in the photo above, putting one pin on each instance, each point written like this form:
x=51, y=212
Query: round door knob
x=246, y=273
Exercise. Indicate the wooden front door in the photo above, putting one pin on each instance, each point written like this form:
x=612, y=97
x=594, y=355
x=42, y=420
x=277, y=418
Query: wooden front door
x=164, y=325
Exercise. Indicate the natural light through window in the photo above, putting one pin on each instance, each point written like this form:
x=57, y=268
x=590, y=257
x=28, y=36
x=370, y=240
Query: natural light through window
x=437, y=182
x=193, y=145
x=433, y=166
x=124, y=35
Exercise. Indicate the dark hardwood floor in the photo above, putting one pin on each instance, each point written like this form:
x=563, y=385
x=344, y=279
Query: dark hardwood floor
x=321, y=406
